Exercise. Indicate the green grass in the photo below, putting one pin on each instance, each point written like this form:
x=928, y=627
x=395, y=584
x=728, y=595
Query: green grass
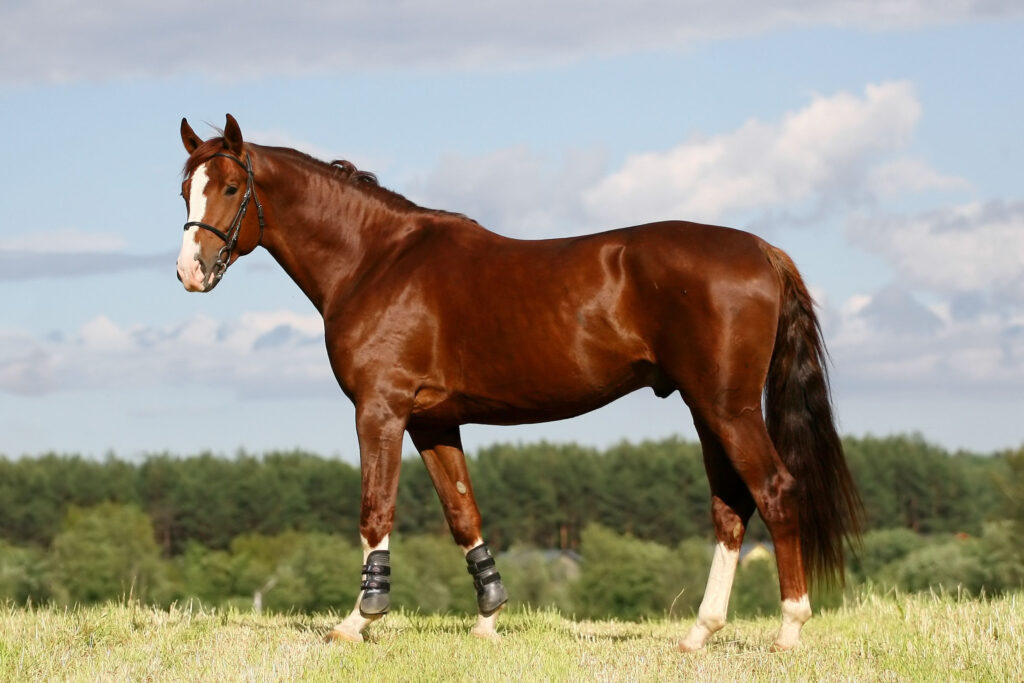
x=903, y=637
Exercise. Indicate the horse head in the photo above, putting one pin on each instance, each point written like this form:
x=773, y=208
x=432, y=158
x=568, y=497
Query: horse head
x=217, y=189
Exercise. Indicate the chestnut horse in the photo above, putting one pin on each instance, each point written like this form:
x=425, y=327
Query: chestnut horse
x=432, y=322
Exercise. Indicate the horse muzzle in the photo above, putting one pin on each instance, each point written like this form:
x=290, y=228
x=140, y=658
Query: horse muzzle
x=196, y=276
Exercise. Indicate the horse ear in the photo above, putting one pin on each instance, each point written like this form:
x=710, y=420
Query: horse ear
x=189, y=137
x=233, y=136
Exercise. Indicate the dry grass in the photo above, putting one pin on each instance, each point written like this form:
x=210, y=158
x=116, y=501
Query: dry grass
x=917, y=637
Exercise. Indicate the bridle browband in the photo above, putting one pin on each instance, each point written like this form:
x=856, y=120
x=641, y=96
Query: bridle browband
x=230, y=237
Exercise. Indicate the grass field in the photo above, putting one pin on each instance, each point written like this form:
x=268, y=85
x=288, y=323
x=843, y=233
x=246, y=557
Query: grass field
x=915, y=637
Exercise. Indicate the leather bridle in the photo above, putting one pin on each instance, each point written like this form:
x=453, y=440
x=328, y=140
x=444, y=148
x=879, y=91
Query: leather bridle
x=230, y=237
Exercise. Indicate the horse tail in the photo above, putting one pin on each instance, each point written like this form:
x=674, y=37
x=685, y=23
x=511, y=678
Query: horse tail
x=800, y=421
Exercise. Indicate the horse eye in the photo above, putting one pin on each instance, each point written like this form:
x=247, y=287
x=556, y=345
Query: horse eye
x=230, y=190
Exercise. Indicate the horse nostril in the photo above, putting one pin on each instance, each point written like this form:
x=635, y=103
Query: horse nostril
x=178, y=273
x=202, y=264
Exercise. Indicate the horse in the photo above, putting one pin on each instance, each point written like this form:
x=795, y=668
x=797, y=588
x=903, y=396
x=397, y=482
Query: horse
x=432, y=321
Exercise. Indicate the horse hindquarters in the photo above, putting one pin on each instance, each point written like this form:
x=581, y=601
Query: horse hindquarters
x=791, y=468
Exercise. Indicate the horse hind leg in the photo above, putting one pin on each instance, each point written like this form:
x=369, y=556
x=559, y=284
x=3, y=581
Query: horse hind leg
x=731, y=508
x=446, y=463
x=749, y=449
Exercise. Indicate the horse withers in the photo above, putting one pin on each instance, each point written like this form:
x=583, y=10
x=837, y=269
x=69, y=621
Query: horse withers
x=432, y=322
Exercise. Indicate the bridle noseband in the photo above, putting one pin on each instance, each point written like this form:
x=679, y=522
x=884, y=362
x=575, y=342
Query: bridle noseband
x=230, y=237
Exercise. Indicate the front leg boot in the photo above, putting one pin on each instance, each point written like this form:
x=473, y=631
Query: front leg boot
x=490, y=592
x=376, y=584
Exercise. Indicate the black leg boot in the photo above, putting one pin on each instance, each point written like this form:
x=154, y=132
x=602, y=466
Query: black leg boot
x=490, y=592
x=376, y=584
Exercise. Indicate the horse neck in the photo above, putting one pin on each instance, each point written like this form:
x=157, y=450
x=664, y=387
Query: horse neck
x=323, y=230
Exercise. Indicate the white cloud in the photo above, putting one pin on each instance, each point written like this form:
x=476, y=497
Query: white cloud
x=29, y=265
x=836, y=149
x=258, y=354
x=967, y=248
x=65, y=241
x=967, y=262
x=904, y=175
x=889, y=341
x=840, y=151
x=56, y=40
x=514, y=191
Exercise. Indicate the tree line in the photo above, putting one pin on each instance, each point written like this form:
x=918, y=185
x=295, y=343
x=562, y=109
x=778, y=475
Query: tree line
x=281, y=531
x=541, y=494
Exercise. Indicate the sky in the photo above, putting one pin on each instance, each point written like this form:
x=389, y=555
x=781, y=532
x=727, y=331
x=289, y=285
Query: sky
x=879, y=143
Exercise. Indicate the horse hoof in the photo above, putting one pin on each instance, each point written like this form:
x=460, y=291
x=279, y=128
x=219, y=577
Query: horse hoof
x=779, y=646
x=340, y=636
x=683, y=646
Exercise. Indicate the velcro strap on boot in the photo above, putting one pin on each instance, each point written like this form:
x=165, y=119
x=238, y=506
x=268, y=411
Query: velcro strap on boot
x=377, y=572
x=481, y=567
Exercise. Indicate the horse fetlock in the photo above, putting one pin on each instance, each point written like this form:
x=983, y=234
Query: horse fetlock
x=712, y=622
x=490, y=591
x=376, y=585
x=795, y=614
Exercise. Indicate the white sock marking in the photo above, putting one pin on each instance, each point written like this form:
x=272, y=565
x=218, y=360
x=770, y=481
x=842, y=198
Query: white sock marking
x=713, y=608
x=795, y=614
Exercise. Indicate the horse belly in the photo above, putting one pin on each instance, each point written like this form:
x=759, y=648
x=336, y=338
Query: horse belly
x=523, y=397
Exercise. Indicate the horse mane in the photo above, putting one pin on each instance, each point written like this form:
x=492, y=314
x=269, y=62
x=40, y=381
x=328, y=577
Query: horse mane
x=340, y=169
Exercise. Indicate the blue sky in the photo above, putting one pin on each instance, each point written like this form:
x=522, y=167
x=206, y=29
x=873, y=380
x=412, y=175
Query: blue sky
x=879, y=143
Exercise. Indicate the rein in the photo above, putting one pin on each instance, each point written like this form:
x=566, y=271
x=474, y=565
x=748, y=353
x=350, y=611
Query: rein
x=230, y=237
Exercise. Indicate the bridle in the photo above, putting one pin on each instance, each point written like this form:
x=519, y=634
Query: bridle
x=230, y=237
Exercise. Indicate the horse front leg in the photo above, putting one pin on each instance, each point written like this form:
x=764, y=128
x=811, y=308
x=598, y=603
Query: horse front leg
x=445, y=460
x=380, y=427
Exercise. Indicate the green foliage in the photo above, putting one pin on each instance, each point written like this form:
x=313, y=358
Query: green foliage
x=908, y=483
x=881, y=548
x=540, y=578
x=632, y=579
x=35, y=493
x=105, y=552
x=428, y=573
x=951, y=566
x=22, y=572
x=207, y=575
x=1011, y=486
x=320, y=573
x=755, y=591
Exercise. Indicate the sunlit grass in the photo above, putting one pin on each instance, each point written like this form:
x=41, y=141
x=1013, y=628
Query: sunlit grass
x=895, y=637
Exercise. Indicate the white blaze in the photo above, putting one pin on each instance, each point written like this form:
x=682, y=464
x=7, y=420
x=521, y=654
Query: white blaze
x=188, y=266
